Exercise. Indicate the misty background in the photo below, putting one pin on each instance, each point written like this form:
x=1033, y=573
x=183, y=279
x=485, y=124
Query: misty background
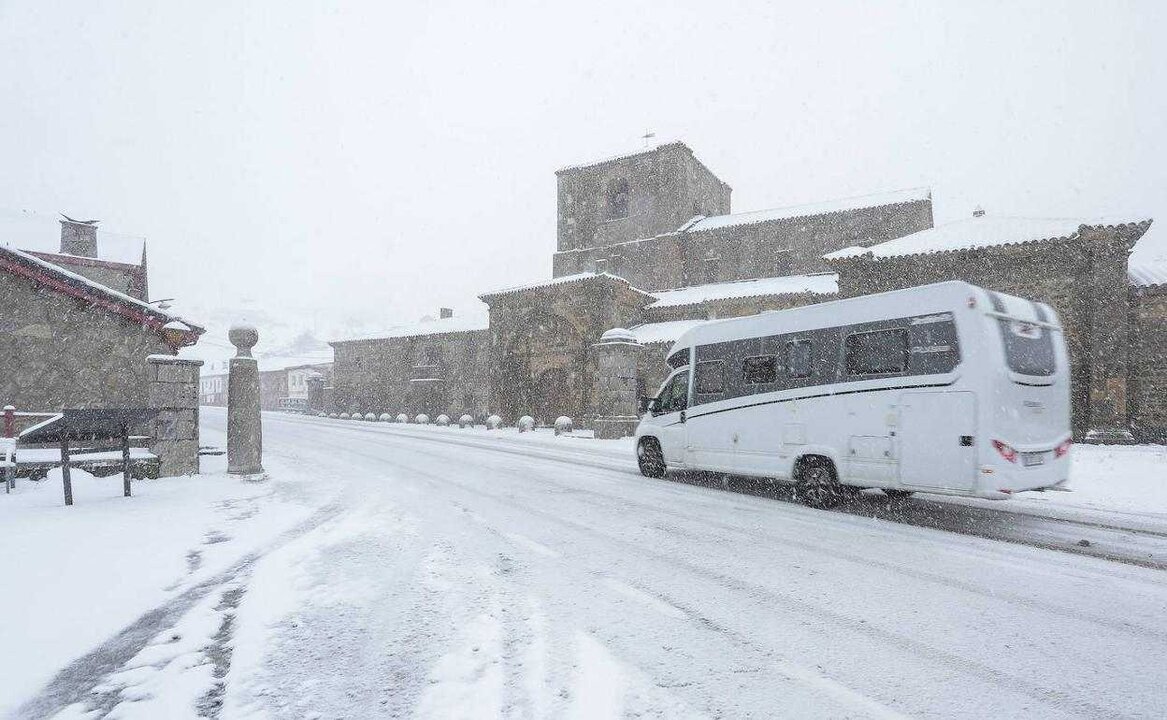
x=356, y=166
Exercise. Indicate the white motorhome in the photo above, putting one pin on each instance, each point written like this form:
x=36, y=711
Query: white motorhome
x=945, y=388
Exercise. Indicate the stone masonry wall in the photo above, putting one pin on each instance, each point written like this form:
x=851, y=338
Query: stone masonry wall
x=375, y=375
x=58, y=353
x=665, y=186
x=1148, y=370
x=172, y=385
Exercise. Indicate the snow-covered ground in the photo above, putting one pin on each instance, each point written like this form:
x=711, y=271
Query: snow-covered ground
x=378, y=574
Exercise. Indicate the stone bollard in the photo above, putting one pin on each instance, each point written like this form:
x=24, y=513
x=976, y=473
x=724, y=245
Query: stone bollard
x=526, y=423
x=244, y=423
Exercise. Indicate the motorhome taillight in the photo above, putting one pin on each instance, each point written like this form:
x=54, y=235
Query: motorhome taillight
x=1061, y=450
x=1006, y=451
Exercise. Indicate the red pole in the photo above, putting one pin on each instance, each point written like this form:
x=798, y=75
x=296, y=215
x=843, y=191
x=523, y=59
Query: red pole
x=9, y=421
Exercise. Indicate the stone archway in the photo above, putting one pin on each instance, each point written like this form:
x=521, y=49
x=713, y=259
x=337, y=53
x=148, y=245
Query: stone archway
x=543, y=370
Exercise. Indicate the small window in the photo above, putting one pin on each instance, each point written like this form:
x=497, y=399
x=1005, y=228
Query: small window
x=877, y=353
x=711, y=269
x=679, y=359
x=618, y=195
x=708, y=378
x=760, y=369
x=798, y=358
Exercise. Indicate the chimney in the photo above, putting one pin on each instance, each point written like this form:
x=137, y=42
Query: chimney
x=979, y=212
x=446, y=313
x=79, y=237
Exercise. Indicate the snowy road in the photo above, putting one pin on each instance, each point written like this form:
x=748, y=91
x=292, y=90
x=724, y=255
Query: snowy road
x=453, y=580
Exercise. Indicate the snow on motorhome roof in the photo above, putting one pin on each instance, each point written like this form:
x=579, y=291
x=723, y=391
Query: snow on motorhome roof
x=979, y=232
x=663, y=332
x=859, y=202
x=924, y=299
x=561, y=280
x=441, y=326
x=819, y=283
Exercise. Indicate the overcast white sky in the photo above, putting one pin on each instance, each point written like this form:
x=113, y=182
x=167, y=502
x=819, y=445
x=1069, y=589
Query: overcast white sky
x=381, y=159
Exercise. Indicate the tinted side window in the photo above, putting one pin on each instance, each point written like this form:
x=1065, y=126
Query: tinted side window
x=679, y=359
x=798, y=358
x=760, y=369
x=675, y=395
x=877, y=353
x=708, y=378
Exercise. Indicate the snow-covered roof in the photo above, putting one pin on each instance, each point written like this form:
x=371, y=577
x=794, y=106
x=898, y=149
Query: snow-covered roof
x=819, y=283
x=663, y=332
x=72, y=283
x=797, y=211
x=980, y=232
x=1146, y=272
x=442, y=326
x=562, y=280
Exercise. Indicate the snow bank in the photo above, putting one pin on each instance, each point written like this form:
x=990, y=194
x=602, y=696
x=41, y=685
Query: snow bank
x=75, y=576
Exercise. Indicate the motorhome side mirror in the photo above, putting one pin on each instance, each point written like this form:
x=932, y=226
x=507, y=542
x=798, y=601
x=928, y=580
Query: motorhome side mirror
x=644, y=404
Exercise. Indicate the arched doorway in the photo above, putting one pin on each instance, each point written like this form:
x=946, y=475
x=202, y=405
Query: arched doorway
x=543, y=370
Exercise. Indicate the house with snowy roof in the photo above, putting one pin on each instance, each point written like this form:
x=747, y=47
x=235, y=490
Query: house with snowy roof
x=648, y=242
x=77, y=331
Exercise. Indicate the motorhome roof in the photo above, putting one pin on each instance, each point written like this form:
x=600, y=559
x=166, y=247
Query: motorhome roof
x=835, y=312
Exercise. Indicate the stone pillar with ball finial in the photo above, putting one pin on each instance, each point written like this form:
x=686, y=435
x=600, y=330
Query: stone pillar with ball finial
x=244, y=428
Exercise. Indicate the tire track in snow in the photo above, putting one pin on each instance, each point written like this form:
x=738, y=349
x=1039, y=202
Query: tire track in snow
x=76, y=681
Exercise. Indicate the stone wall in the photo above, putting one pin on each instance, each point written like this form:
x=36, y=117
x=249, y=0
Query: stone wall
x=649, y=264
x=542, y=356
x=172, y=388
x=379, y=375
x=616, y=388
x=666, y=187
x=746, y=251
x=795, y=246
x=58, y=353
x=1148, y=368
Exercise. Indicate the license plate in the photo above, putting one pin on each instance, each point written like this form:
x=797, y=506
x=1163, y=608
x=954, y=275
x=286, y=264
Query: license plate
x=1030, y=459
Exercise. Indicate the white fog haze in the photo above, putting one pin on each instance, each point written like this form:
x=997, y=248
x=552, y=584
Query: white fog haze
x=606, y=360
x=392, y=158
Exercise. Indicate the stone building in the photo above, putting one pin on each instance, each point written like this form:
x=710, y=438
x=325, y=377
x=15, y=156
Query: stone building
x=70, y=341
x=647, y=242
x=433, y=366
